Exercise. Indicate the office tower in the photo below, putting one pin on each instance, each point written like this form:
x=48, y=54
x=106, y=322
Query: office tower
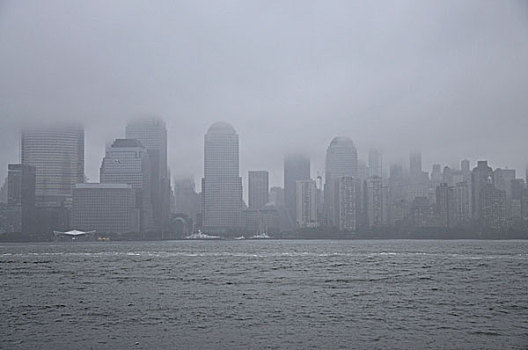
x=502, y=179
x=464, y=166
x=187, y=200
x=415, y=164
x=258, y=189
x=3, y=192
x=152, y=134
x=296, y=167
x=347, y=202
x=517, y=187
x=375, y=163
x=462, y=192
x=221, y=185
x=481, y=176
x=21, y=180
x=128, y=162
x=421, y=213
x=491, y=208
x=341, y=160
x=374, y=197
x=436, y=176
x=105, y=207
x=276, y=196
x=306, y=204
x=57, y=153
x=445, y=205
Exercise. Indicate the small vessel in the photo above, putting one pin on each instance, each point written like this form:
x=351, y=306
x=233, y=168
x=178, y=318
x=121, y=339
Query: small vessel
x=200, y=235
x=262, y=235
x=239, y=238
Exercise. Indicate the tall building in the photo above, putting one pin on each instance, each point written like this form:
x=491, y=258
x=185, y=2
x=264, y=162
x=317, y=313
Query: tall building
x=128, y=162
x=445, y=205
x=492, y=209
x=347, y=201
x=105, y=208
x=306, y=206
x=462, y=202
x=258, y=185
x=276, y=196
x=57, y=153
x=341, y=160
x=374, y=197
x=21, y=180
x=375, y=160
x=222, y=184
x=152, y=134
x=415, y=164
x=187, y=200
x=296, y=168
x=481, y=176
x=502, y=179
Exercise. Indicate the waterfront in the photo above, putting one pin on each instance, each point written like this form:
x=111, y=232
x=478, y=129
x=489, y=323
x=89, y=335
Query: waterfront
x=265, y=294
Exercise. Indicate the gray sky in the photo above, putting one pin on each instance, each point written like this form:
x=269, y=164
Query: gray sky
x=447, y=77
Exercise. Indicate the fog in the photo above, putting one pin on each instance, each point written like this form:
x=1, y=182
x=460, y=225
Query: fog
x=449, y=78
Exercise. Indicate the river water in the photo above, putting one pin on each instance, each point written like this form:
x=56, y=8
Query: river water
x=399, y=294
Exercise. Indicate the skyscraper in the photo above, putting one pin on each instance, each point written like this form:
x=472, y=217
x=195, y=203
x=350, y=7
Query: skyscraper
x=128, y=162
x=341, y=160
x=152, y=134
x=57, y=153
x=375, y=159
x=306, y=206
x=415, y=164
x=481, y=176
x=347, y=200
x=222, y=184
x=21, y=195
x=258, y=185
x=187, y=201
x=374, y=197
x=296, y=168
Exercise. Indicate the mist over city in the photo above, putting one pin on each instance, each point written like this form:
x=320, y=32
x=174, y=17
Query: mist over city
x=263, y=174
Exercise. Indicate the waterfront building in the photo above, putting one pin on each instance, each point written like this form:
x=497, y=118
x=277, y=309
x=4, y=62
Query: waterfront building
x=258, y=185
x=222, y=184
x=57, y=153
x=374, y=197
x=186, y=199
x=341, y=160
x=128, y=162
x=375, y=163
x=492, y=208
x=276, y=196
x=152, y=133
x=481, y=176
x=462, y=192
x=296, y=168
x=105, y=208
x=306, y=204
x=445, y=205
x=21, y=181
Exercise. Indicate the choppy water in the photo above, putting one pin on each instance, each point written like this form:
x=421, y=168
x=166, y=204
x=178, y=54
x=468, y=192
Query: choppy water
x=265, y=294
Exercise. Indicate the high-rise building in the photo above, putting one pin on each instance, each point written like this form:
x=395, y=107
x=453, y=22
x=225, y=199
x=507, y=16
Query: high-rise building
x=415, y=164
x=492, y=209
x=276, y=196
x=464, y=166
x=222, y=184
x=187, y=200
x=128, y=162
x=462, y=202
x=258, y=185
x=375, y=160
x=296, y=168
x=445, y=205
x=481, y=176
x=436, y=175
x=21, y=180
x=502, y=179
x=57, y=153
x=374, y=197
x=152, y=133
x=105, y=208
x=347, y=201
x=341, y=160
x=306, y=206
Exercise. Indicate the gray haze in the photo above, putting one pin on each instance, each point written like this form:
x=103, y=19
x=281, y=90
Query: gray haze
x=447, y=77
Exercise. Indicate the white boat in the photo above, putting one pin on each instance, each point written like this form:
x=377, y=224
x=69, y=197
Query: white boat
x=239, y=238
x=262, y=235
x=200, y=235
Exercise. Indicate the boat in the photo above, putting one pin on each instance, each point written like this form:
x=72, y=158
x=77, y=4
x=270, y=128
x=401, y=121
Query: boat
x=262, y=235
x=200, y=235
x=240, y=238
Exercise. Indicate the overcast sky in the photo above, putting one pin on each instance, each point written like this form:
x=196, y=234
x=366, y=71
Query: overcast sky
x=447, y=77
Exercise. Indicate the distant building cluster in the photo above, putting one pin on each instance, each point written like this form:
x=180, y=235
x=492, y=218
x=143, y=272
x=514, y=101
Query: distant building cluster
x=134, y=197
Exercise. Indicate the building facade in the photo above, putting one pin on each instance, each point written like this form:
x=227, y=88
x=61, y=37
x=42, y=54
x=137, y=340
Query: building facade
x=21, y=181
x=296, y=168
x=57, y=153
x=222, y=184
x=105, y=208
x=306, y=204
x=258, y=185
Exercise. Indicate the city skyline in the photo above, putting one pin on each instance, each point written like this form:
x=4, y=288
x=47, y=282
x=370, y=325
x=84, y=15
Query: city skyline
x=390, y=76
